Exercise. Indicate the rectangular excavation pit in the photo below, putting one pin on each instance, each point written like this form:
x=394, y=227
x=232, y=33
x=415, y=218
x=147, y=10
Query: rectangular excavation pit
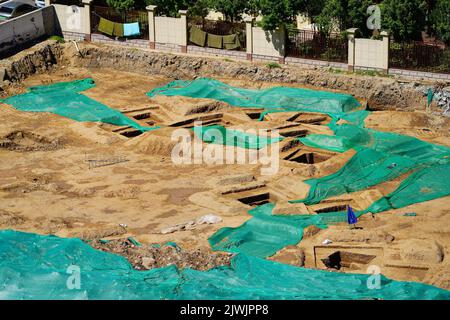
x=131, y=133
x=310, y=118
x=256, y=199
x=294, y=133
x=142, y=116
x=346, y=259
x=347, y=256
x=309, y=157
x=208, y=119
x=254, y=115
x=334, y=208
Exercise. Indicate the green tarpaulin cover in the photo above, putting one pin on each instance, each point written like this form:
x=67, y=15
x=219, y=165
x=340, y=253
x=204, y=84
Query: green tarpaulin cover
x=264, y=234
x=272, y=99
x=39, y=267
x=220, y=135
x=380, y=156
x=65, y=99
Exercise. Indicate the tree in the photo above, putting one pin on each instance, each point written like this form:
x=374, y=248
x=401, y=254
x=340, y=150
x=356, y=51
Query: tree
x=312, y=9
x=123, y=4
x=405, y=19
x=278, y=13
x=339, y=15
x=332, y=16
x=231, y=9
x=440, y=20
x=357, y=16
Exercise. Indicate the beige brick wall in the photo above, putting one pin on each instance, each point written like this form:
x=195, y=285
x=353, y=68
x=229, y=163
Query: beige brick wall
x=268, y=43
x=169, y=30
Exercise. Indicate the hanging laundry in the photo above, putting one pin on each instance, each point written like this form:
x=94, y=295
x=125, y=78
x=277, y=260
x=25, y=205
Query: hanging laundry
x=106, y=26
x=231, y=42
x=118, y=29
x=214, y=41
x=197, y=36
x=131, y=29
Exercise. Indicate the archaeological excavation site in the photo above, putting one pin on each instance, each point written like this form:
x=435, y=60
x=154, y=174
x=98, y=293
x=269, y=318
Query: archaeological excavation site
x=124, y=164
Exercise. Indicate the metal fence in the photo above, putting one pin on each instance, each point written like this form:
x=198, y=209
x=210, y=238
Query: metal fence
x=431, y=57
x=221, y=28
x=315, y=45
x=120, y=17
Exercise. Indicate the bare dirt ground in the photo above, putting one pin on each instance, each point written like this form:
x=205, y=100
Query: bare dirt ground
x=47, y=185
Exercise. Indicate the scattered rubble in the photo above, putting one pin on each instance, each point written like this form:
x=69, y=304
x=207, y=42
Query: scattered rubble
x=158, y=256
x=23, y=141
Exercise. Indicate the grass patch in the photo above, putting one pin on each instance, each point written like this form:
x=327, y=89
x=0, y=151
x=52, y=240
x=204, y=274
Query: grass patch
x=372, y=73
x=273, y=65
x=57, y=38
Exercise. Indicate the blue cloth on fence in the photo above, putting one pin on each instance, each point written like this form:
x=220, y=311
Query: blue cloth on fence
x=131, y=29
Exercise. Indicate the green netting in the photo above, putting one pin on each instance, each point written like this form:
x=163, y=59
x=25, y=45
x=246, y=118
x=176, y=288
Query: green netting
x=271, y=99
x=380, y=157
x=36, y=267
x=423, y=185
x=326, y=142
x=65, y=99
x=220, y=135
x=264, y=234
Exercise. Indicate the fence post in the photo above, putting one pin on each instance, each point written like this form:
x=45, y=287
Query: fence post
x=184, y=30
x=351, y=49
x=386, y=45
x=87, y=20
x=282, y=51
x=249, y=37
x=151, y=25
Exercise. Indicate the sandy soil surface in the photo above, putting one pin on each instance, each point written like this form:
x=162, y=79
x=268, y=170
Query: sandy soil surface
x=50, y=185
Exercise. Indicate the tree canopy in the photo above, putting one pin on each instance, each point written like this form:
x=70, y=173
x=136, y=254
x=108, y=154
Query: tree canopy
x=440, y=20
x=405, y=19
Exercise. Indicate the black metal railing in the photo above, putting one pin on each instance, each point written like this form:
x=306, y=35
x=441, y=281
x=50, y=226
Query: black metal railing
x=431, y=57
x=128, y=16
x=315, y=45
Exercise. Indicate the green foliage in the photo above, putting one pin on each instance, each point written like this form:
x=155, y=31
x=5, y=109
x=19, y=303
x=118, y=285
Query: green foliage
x=344, y=14
x=273, y=65
x=57, y=38
x=170, y=8
x=333, y=14
x=278, y=13
x=124, y=4
x=311, y=9
x=405, y=19
x=231, y=9
x=440, y=20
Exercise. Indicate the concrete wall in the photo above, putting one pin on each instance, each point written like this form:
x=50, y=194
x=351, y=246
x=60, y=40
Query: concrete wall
x=169, y=30
x=268, y=43
x=26, y=28
x=370, y=54
x=71, y=18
